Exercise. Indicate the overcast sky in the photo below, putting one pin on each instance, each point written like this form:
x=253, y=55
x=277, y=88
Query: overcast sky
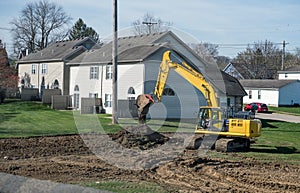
x=231, y=23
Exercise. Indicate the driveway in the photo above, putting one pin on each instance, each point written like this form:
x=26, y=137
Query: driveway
x=279, y=117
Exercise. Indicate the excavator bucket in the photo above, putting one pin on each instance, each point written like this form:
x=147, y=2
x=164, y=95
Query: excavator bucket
x=143, y=103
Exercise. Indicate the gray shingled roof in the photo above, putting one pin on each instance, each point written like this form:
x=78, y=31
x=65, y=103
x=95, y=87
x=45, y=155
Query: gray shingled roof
x=57, y=51
x=232, y=85
x=262, y=83
x=103, y=55
x=131, y=48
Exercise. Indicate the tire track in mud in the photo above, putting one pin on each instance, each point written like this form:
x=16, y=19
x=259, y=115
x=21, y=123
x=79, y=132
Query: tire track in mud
x=209, y=176
x=274, y=178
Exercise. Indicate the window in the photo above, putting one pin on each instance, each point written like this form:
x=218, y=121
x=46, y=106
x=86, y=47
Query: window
x=108, y=100
x=108, y=72
x=55, y=84
x=93, y=95
x=76, y=97
x=168, y=92
x=250, y=94
x=33, y=69
x=131, y=93
x=44, y=69
x=228, y=102
x=259, y=94
x=94, y=72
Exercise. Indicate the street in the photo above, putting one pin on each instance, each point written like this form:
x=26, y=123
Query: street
x=278, y=116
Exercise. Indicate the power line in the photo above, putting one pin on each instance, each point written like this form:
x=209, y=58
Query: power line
x=243, y=44
x=149, y=25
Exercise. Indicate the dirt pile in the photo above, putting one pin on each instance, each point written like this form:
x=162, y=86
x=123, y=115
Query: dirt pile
x=142, y=137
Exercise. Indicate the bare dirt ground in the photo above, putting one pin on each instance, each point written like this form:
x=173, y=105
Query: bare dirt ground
x=67, y=159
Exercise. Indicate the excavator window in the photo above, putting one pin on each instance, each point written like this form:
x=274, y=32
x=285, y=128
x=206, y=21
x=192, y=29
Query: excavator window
x=210, y=118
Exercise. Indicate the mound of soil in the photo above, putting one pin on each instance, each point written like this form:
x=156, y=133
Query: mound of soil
x=142, y=137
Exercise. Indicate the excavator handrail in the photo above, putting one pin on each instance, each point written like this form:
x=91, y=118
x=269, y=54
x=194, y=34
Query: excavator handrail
x=188, y=73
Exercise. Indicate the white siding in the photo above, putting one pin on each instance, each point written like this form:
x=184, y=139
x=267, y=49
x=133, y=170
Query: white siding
x=80, y=75
x=24, y=68
x=289, y=76
x=130, y=75
x=268, y=96
x=54, y=71
x=106, y=88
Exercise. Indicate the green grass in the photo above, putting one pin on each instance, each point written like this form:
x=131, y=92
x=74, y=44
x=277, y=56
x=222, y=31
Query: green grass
x=22, y=119
x=279, y=142
x=287, y=110
x=126, y=187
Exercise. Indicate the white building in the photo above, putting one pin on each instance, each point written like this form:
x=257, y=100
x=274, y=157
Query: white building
x=47, y=68
x=272, y=92
x=292, y=73
x=139, y=58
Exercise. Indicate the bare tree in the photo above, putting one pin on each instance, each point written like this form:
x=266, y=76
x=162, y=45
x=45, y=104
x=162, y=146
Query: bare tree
x=292, y=59
x=262, y=59
x=39, y=24
x=149, y=24
x=207, y=51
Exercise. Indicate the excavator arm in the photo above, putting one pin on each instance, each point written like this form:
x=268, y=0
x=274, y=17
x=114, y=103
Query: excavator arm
x=188, y=73
x=194, y=77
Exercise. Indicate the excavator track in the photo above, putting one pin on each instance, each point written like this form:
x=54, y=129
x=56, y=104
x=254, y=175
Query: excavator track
x=232, y=144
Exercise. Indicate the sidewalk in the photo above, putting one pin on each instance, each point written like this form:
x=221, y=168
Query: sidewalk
x=279, y=117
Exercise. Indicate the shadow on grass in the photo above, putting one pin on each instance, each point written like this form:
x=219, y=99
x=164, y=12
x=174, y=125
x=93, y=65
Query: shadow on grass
x=7, y=116
x=276, y=149
x=268, y=123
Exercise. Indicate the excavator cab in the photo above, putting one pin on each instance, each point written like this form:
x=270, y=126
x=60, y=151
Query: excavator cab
x=211, y=119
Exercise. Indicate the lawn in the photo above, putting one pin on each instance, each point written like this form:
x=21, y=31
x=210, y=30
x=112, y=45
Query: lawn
x=287, y=110
x=279, y=142
x=23, y=119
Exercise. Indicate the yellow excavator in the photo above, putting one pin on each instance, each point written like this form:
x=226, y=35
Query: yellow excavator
x=232, y=133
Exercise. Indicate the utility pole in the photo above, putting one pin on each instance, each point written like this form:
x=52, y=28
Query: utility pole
x=149, y=25
x=115, y=65
x=283, y=55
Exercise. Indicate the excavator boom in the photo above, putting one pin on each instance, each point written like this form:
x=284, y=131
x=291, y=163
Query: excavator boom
x=187, y=72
